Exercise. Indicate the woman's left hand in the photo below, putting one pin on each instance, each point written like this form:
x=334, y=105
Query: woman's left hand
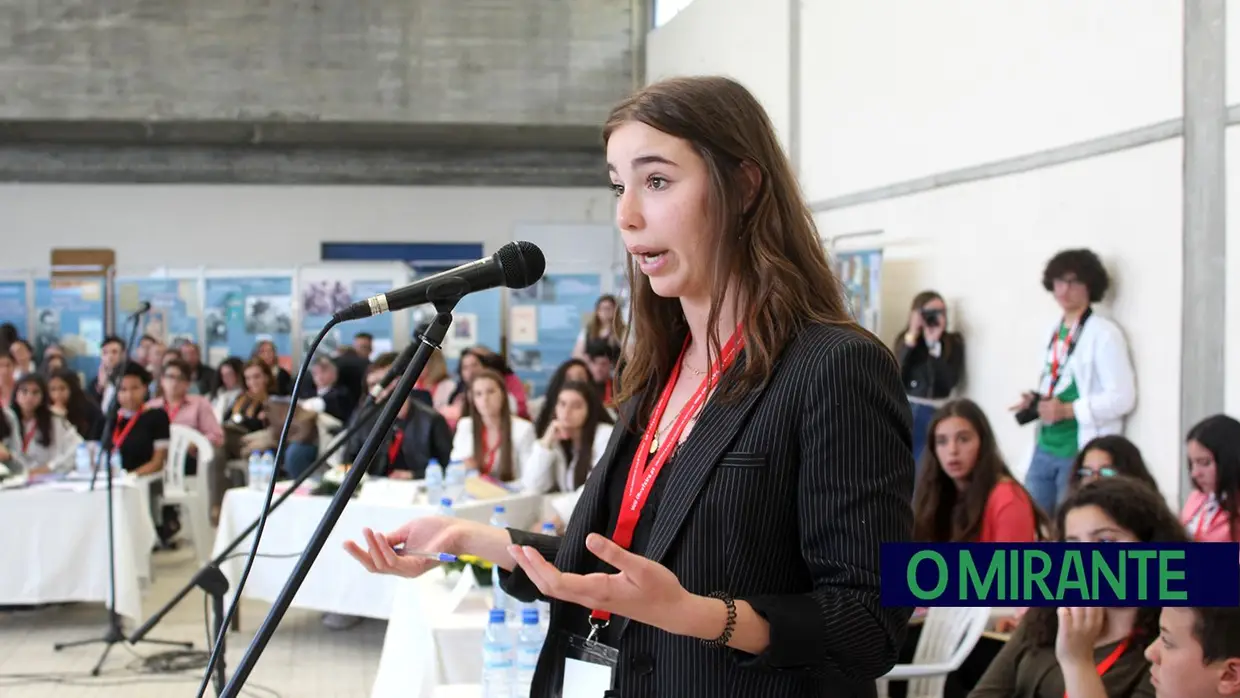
x=642, y=590
x=1079, y=629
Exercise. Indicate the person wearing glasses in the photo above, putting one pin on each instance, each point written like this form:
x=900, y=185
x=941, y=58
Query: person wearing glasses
x=1087, y=385
x=1109, y=456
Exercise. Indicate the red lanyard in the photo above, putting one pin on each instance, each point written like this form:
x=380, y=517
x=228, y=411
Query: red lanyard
x=492, y=454
x=119, y=435
x=644, y=471
x=172, y=413
x=29, y=436
x=1110, y=659
x=1059, y=354
x=394, y=449
x=1203, y=520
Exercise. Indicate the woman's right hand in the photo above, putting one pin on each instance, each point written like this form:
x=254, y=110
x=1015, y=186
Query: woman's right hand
x=551, y=435
x=435, y=534
x=915, y=326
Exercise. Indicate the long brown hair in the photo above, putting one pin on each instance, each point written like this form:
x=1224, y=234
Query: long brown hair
x=594, y=326
x=768, y=244
x=595, y=414
x=504, y=470
x=943, y=514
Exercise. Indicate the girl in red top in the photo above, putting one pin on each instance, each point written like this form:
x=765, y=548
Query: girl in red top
x=1212, y=513
x=965, y=492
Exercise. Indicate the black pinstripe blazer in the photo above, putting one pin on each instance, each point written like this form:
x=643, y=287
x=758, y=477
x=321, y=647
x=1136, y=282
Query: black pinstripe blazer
x=780, y=498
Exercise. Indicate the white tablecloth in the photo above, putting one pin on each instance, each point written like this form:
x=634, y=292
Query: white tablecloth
x=336, y=583
x=54, y=544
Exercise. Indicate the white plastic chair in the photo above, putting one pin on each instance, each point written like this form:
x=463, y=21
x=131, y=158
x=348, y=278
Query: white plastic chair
x=190, y=492
x=947, y=637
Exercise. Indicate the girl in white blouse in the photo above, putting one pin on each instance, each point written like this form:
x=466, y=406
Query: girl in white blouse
x=490, y=439
x=48, y=442
x=572, y=443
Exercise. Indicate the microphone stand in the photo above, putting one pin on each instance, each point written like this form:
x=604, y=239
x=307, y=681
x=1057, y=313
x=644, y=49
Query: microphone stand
x=113, y=634
x=429, y=342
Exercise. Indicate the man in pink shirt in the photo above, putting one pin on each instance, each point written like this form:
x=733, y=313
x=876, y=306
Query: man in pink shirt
x=195, y=412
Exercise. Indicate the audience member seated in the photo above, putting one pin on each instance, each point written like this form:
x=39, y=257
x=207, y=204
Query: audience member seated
x=605, y=324
x=512, y=382
x=111, y=354
x=351, y=369
x=931, y=362
x=229, y=384
x=141, y=438
x=48, y=441
x=489, y=438
x=436, y=381
x=966, y=492
x=142, y=352
x=1087, y=386
x=327, y=395
x=1210, y=514
x=1057, y=652
x=53, y=361
x=603, y=357
x=571, y=371
x=472, y=361
x=1109, y=456
x=569, y=447
x=245, y=423
x=23, y=358
x=418, y=435
x=1197, y=653
x=282, y=382
x=364, y=345
x=188, y=410
x=68, y=400
x=201, y=376
x=10, y=439
x=155, y=357
x=8, y=379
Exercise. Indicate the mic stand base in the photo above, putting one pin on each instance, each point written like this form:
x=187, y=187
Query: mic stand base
x=112, y=636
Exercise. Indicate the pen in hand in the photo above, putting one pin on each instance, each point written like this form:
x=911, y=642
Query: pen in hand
x=440, y=557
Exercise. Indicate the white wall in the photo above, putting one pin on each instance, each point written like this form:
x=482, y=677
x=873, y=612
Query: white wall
x=1231, y=367
x=897, y=89
x=240, y=226
x=745, y=40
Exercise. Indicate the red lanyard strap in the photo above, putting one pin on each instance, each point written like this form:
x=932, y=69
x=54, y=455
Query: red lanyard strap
x=1062, y=348
x=172, y=411
x=398, y=439
x=644, y=470
x=1109, y=660
x=29, y=436
x=1203, y=521
x=491, y=454
x=119, y=435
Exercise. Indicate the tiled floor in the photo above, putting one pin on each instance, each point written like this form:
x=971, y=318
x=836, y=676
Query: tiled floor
x=303, y=660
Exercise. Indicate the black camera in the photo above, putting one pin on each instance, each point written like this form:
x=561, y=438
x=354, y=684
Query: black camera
x=932, y=316
x=1030, y=413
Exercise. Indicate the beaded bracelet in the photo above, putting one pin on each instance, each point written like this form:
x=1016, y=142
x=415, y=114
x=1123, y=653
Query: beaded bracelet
x=726, y=635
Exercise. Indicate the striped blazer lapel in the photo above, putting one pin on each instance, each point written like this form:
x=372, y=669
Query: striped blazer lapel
x=695, y=459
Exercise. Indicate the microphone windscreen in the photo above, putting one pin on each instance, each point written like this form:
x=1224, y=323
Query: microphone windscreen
x=522, y=263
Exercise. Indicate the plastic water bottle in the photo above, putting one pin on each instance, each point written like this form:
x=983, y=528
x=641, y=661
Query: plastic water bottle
x=269, y=468
x=117, y=463
x=529, y=646
x=256, y=470
x=498, y=660
x=434, y=481
x=81, y=459
x=445, y=507
x=454, y=480
x=499, y=599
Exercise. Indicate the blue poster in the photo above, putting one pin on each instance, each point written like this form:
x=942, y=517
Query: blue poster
x=860, y=273
x=174, y=313
x=70, y=312
x=322, y=299
x=477, y=320
x=14, y=308
x=559, y=303
x=243, y=310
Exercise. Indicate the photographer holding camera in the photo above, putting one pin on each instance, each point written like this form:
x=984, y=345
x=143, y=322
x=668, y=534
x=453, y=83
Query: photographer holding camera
x=931, y=362
x=1087, y=385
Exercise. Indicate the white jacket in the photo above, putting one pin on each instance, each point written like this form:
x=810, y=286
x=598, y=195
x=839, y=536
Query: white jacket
x=548, y=467
x=522, y=443
x=1102, y=369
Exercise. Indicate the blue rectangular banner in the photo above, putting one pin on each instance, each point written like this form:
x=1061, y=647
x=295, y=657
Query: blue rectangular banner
x=69, y=313
x=14, y=308
x=240, y=311
x=1060, y=574
x=174, y=313
x=558, y=306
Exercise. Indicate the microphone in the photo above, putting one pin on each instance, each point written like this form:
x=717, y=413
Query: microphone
x=143, y=308
x=515, y=265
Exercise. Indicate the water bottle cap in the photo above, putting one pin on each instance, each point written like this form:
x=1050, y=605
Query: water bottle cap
x=445, y=502
x=499, y=508
x=432, y=462
x=529, y=616
x=498, y=616
x=548, y=527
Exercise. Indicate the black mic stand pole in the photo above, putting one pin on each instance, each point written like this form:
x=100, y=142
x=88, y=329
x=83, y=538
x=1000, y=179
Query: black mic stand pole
x=365, y=412
x=430, y=342
x=113, y=633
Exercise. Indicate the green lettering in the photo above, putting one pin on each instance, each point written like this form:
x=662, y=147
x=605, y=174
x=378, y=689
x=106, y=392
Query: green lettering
x=912, y=575
x=1014, y=577
x=1143, y=558
x=1073, y=566
x=1167, y=575
x=969, y=576
x=1037, y=577
x=1101, y=567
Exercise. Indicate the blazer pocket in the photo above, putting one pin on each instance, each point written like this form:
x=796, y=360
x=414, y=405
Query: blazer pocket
x=741, y=459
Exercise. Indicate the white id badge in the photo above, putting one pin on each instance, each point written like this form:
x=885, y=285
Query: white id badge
x=585, y=680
